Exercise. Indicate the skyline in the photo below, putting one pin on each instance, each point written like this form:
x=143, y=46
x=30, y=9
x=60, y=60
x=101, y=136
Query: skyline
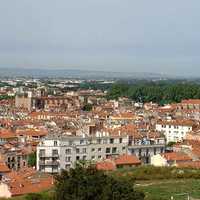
x=112, y=35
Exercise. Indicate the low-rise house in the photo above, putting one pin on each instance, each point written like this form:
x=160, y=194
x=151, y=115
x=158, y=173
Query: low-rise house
x=15, y=155
x=7, y=135
x=124, y=161
x=26, y=135
x=170, y=159
x=3, y=168
x=189, y=104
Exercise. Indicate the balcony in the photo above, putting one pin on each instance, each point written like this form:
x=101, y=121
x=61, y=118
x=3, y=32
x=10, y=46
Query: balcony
x=135, y=146
x=43, y=155
x=49, y=163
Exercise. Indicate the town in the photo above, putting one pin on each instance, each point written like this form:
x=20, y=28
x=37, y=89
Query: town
x=50, y=125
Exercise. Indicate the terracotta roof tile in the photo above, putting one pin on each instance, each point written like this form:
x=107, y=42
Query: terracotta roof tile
x=127, y=160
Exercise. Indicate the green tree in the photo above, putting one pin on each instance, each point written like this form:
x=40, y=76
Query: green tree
x=87, y=107
x=86, y=183
x=32, y=159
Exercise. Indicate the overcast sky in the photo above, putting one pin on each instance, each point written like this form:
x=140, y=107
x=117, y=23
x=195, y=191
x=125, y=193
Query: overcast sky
x=116, y=35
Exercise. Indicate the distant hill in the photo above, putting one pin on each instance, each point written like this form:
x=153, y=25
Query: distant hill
x=75, y=73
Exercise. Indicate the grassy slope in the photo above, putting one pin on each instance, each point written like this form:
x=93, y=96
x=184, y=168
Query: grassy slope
x=164, y=189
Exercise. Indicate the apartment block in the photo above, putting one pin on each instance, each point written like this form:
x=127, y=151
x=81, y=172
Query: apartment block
x=55, y=153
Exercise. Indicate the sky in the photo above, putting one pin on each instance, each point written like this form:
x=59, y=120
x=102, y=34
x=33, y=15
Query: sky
x=115, y=35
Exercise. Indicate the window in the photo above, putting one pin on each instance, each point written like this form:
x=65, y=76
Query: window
x=84, y=150
x=99, y=157
x=68, y=159
x=54, y=152
x=120, y=140
x=99, y=141
x=140, y=151
x=42, y=168
x=154, y=151
x=105, y=141
x=114, y=150
x=111, y=141
x=77, y=158
x=99, y=149
x=68, y=151
x=84, y=157
x=81, y=141
x=55, y=143
x=77, y=150
x=123, y=148
x=93, y=157
x=147, y=151
x=107, y=150
x=93, y=149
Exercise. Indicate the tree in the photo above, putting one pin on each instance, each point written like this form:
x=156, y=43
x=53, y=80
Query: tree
x=33, y=196
x=86, y=183
x=32, y=159
x=87, y=107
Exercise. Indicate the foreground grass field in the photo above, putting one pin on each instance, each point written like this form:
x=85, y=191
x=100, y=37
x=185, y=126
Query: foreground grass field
x=164, y=189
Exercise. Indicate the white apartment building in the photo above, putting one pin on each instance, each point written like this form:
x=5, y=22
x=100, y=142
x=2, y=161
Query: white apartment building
x=62, y=152
x=175, y=130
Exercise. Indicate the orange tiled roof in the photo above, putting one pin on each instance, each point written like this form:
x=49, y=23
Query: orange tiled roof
x=127, y=160
x=177, y=122
x=7, y=134
x=189, y=164
x=32, y=132
x=106, y=165
x=25, y=181
x=176, y=156
x=191, y=101
x=3, y=168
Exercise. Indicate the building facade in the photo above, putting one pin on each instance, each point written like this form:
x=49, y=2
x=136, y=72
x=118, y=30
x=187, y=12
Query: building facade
x=55, y=153
x=175, y=131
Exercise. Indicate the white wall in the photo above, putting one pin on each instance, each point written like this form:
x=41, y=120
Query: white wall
x=172, y=133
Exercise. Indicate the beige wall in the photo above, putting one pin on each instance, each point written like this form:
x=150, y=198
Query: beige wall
x=158, y=161
x=4, y=191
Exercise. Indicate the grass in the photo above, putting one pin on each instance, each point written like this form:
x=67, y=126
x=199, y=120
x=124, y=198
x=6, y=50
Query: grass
x=160, y=183
x=164, y=189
